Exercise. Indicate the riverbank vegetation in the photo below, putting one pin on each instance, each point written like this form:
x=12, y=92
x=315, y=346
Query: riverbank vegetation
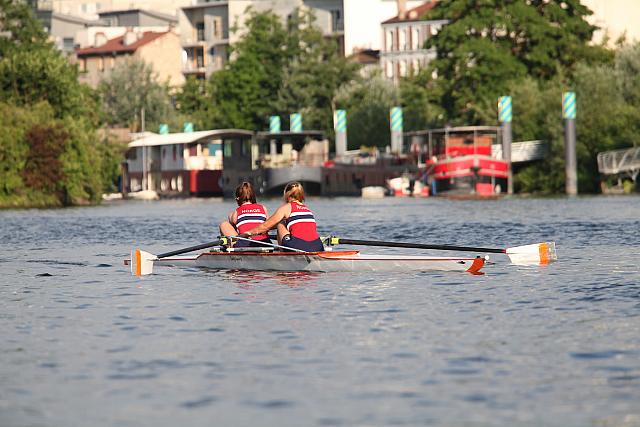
x=51, y=154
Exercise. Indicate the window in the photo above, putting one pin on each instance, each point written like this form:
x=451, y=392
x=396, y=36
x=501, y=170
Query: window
x=403, y=68
x=415, y=39
x=200, y=31
x=336, y=21
x=101, y=63
x=217, y=27
x=228, y=149
x=112, y=62
x=200, y=58
x=389, y=69
x=390, y=40
x=245, y=147
x=402, y=39
x=83, y=65
x=67, y=43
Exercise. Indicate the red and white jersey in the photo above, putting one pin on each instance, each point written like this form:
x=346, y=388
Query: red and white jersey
x=249, y=216
x=301, y=222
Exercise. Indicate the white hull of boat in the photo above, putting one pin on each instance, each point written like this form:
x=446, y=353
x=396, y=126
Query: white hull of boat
x=323, y=262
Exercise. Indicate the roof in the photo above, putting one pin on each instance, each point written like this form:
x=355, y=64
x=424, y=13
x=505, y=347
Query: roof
x=287, y=134
x=367, y=56
x=117, y=45
x=415, y=14
x=205, y=5
x=153, y=13
x=188, y=137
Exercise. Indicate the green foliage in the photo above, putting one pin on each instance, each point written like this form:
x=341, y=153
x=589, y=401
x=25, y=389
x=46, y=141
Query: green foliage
x=605, y=121
x=14, y=124
x=43, y=74
x=130, y=88
x=21, y=29
x=314, y=76
x=487, y=44
x=111, y=154
x=278, y=70
x=244, y=92
x=420, y=99
x=368, y=103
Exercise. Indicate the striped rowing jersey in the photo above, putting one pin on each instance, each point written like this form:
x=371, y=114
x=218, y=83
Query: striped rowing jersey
x=249, y=216
x=301, y=223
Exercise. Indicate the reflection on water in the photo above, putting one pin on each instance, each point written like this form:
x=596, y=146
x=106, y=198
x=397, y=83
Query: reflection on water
x=85, y=343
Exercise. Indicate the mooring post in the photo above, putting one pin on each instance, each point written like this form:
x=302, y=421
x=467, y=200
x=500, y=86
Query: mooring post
x=340, y=123
x=274, y=127
x=571, y=163
x=504, y=116
x=396, y=130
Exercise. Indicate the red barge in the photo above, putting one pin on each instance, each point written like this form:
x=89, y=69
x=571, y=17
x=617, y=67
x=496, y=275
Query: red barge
x=459, y=162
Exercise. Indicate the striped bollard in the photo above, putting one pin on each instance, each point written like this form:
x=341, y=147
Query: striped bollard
x=295, y=123
x=340, y=121
x=396, y=130
x=274, y=127
x=504, y=116
x=571, y=163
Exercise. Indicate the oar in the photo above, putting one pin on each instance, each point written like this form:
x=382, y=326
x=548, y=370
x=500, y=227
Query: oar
x=142, y=262
x=536, y=254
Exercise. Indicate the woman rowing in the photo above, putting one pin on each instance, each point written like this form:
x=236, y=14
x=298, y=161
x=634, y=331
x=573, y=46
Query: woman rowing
x=246, y=216
x=295, y=222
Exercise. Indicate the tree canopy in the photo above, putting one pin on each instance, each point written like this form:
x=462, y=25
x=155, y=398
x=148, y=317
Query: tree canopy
x=276, y=70
x=488, y=44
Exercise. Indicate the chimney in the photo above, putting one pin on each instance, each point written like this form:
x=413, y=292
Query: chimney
x=99, y=39
x=402, y=9
x=129, y=37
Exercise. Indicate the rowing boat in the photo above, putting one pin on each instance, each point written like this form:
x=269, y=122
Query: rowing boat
x=279, y=258
x=327, y=261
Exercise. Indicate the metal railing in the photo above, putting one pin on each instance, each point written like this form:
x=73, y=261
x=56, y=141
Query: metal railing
x=615, y=162
x=524, y=151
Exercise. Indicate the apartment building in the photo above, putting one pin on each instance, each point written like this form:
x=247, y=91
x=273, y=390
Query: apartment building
x=161, y=50
x=403, y=39
x=205, y=27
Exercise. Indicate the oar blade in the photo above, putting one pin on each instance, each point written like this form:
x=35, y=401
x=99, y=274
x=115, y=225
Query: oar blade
x=142, y=262
x=536, y=254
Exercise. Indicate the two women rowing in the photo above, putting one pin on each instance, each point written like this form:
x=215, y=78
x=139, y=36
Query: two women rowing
x=294, y=221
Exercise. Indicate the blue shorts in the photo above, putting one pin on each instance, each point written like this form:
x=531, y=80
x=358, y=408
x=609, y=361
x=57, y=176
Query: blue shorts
x=252, y=244
x=304, y=245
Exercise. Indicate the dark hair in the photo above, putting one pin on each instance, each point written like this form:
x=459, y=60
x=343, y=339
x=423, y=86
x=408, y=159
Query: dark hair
x=294, y=191
x=245, y=193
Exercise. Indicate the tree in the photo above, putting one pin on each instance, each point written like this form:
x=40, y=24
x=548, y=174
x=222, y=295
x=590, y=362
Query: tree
x=130, y=88
x=275, y=70
x=368, y=103
x=244, y=92
x=19, y=26
x=314, y=75
x=421, y=103
x=489, y=43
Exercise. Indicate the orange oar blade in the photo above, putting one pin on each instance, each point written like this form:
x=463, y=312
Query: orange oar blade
x=536, y=254
x=141, y=262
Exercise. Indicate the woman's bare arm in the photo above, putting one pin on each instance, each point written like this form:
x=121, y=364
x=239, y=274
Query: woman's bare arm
x=281, y=213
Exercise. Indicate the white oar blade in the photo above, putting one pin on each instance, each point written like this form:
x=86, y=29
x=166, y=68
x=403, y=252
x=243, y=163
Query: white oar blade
x=141, y=262
x=536, y=254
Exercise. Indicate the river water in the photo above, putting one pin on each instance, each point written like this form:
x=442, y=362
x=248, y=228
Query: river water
x=86, y=344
